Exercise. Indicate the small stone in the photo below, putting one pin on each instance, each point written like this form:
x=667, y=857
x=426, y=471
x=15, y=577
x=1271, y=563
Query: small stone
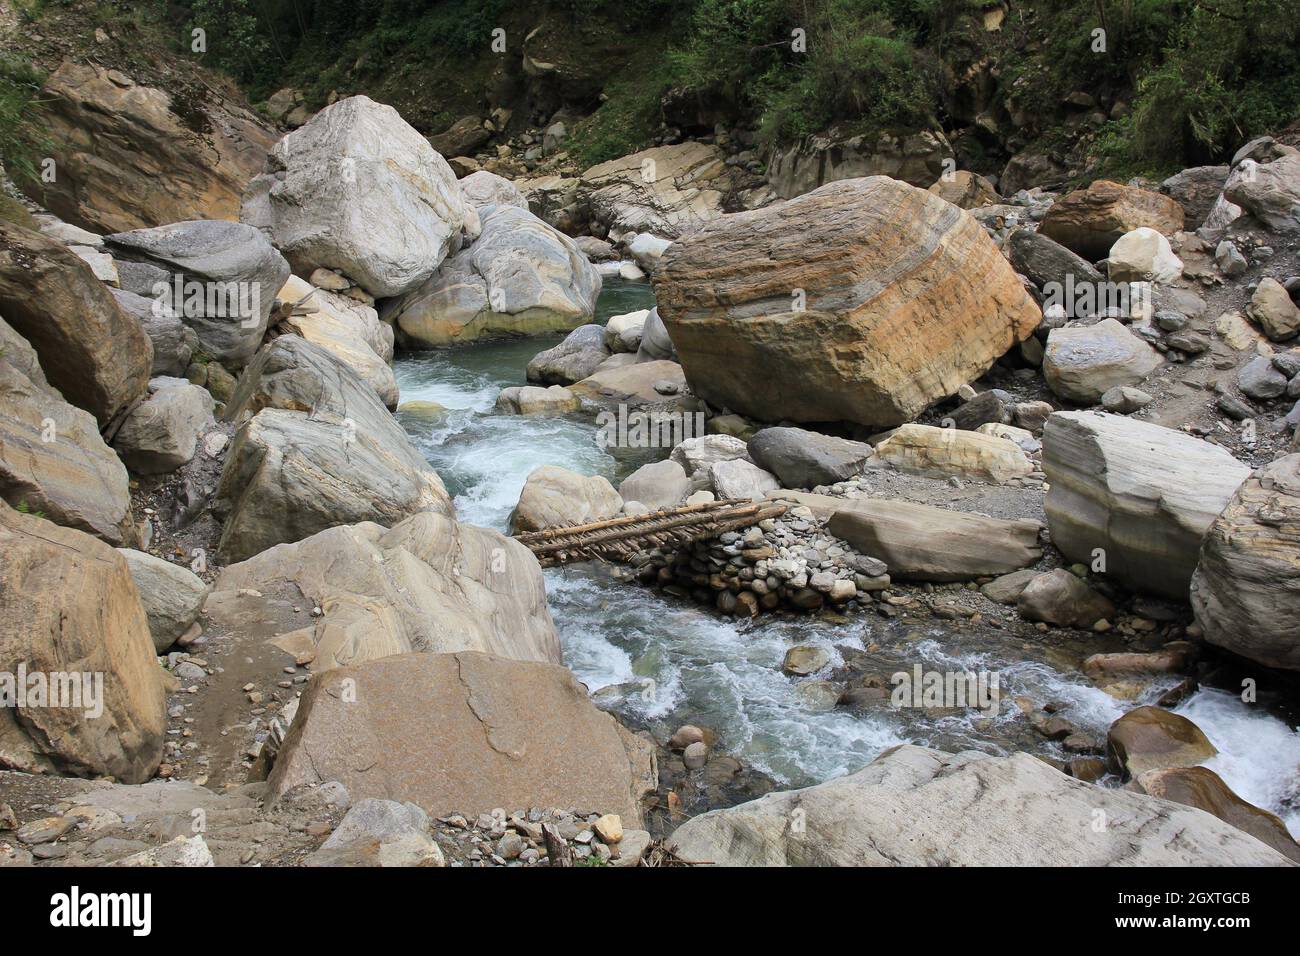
x=695, y=756
x=609, y=828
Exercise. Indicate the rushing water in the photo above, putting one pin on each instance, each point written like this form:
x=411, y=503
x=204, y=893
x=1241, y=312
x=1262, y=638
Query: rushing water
x=665, y=662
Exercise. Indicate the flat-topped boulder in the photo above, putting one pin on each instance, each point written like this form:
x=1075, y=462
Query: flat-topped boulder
x=806, y=459
x=913, y=806
x=1081, y=363
x=952, y=452
x=1135, y=494
x=863, y=301
x=924, y=543
x=427, y=584
x=464, y=732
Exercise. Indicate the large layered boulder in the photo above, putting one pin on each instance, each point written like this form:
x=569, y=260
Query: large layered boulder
x=162, y=432
x=1138, y=496
x=426, y=584
x=52, y=458
x=913, y=806
x=806, y=459
x=862, y=301
x=554, y=497
x=357, y=190
x=70, y=614
x=1270, y=192
x=464, y=732
x=348, y=329
x=95, y=354
x=1082, y=362
x=174, y=342
x=1246, y=587
x=925, y=543
x=520, y=276
x=669, y=191
x=131, y=156
x=319, y=450
x=222, y=278
x=1089, y=221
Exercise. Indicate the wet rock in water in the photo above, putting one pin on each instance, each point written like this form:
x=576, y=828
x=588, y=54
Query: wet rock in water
x=519, y=277
x=358, y=190
x=1081, y=363
x=637, y=383
x=867, y=349
x=695, y=755
x=107, y=634
x=933, y=544
x=1136, y=494
x=95, y=354
x=917, y=807
x=947, y=452
x=1173, y=659
x=553, y=497
x=660, y=484
x=1059, y=597
x=170, y=594
x=162, y=432
x=805, y=459
x=1246, y=587
x=1150, y=738
x=623, y=332
x=577, y=357
x=532, y=400
x=804, y=659
x=1089, y=221
x=234, y=270
x=446, y=587
x=464, y=732
x=686, y=735
x=1202, y=788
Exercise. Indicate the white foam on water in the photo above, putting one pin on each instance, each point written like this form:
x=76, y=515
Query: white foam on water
x=1259, y=755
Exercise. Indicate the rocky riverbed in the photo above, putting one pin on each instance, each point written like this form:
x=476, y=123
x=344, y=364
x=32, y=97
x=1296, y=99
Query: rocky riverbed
x=263, y=466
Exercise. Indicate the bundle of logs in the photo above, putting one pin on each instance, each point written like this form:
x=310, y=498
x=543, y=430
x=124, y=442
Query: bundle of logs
x=620, y=538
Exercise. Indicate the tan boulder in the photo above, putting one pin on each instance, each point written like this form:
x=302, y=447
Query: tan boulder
x=71, y=616
x=53, y=461
x=94, y=353
x=427, y=584
x=633, y=384
x=464, y=732
x=1246, y=587
x=131, y=156
x=1151, y=738
x=1089, y=221
x=554, y=497
x=1203, y=788
x=933, y=544
x=669, y=191
x=966, y=189
x=1272, y=308
x=864, y=301
x=952, y=452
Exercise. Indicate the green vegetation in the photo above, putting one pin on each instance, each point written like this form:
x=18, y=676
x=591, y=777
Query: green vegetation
x=1199, y=76
x=20, y=137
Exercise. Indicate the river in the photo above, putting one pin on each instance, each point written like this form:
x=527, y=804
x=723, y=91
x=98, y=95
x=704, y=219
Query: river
x=661, y=662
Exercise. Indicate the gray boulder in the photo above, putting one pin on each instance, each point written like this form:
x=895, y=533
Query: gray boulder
x=1136, y=495
x=913, y=806
x=697, y=454
x=171, y=595
x=174, y=342
x=1044, y=260
x=660, y=484
x=356, y=189
x=655, y=343
x=1081, y=363
x=577, y=357
x=162, y=432
x=738, y=478
x=1270, y=192
x=1059, y=597
x=805, y=459
x=1246, y=587
x=483, y=188
x=222, y=280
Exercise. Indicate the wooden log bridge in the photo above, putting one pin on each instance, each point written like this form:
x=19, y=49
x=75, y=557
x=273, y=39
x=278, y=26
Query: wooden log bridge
x=620, y=538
